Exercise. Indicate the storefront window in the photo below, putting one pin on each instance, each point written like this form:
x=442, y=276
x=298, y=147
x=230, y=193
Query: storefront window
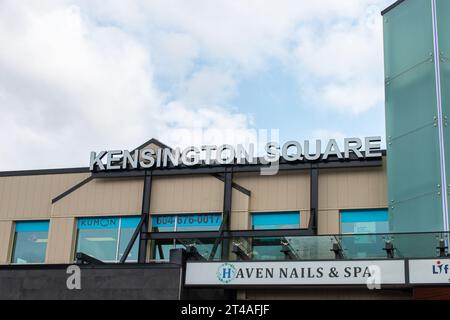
x=276, y=220
x=30, y=242
x=185, y=222
x=359, y=229
x=270, y=248
x=107, y=238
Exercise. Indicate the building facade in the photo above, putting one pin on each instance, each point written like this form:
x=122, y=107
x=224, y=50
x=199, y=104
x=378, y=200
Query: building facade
x=346, y=226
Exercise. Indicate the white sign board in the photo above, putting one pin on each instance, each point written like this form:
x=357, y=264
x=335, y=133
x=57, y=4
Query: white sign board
x=429, y=271
x=296, y=273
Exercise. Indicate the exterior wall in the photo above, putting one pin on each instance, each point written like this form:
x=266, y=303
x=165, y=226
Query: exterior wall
x=61, y=242
x=358, y=188
x=101, y=197
x=6, y=235
x=286, y=191
x=186, y=194
x=30, y=197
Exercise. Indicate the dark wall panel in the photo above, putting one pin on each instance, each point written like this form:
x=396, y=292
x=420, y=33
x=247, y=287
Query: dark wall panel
x=105, y=282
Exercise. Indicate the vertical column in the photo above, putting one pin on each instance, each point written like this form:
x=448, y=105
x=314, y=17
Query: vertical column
x=314, y=199
x=146, y=195
x=440, y=116
x=228, y=190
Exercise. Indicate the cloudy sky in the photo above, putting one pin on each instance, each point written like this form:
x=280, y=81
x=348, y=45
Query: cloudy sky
x=82, y=75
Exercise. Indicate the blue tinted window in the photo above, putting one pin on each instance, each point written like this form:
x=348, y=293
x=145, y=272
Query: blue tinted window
x=106, y=238
x=276, y=220
x=364, y=221
x=186, y=222
x=30, y=242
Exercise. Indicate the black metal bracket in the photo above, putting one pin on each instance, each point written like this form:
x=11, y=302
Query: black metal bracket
x=82, y=258
x=193, y=254
x=442, y=248
x=288, y=254
x=136, y=232
x=338, y=253
x=314, y=199
x=146, y=197
x=389, y=248
x=240, y=253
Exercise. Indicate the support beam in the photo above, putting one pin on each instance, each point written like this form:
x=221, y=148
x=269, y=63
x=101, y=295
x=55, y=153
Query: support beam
x=227, y=234
x=314, y=199
x=226, y=215
x=227, y=202
x=146, y=195
x=83, y=258
x=137, y=231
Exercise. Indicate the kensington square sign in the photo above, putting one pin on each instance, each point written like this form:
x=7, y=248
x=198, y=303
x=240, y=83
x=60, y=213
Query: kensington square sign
x=228, y=154
x=356, y=272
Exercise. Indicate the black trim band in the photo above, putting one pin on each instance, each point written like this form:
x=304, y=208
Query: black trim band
x=392, y=6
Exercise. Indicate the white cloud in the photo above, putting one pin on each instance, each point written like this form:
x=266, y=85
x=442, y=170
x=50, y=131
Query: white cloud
x=70, y=85
x=341, y=65
x=77, y=75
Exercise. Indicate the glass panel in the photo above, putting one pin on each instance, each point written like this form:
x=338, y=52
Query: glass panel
x=97, y=237
x=414, y=173
x=413, y=146
x=361, y=246
x=267, y=249
x=419, y=214
x=30, y=242
x=276, y=220
x=416, y=245
x=407, y=36
x=443, y=9
x=411, y=101
x=204, y=247
x=127, y=227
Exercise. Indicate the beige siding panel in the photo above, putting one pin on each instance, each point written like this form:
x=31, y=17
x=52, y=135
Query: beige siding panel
x=328, y=222
x=102, y=197
x=356, y=188
x=187, y=194
x=286, y=191
x=29, y=197
x=239, y=212
x=61, y=242
x=6, y=239
x=305, y=215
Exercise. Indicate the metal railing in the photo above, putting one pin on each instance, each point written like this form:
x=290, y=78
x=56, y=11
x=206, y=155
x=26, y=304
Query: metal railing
x=272, y=245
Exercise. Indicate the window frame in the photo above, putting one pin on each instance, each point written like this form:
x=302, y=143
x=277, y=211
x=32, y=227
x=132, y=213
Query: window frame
x=298, y=212
x=365, y=209
x=119, y=235
x=14, y=241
